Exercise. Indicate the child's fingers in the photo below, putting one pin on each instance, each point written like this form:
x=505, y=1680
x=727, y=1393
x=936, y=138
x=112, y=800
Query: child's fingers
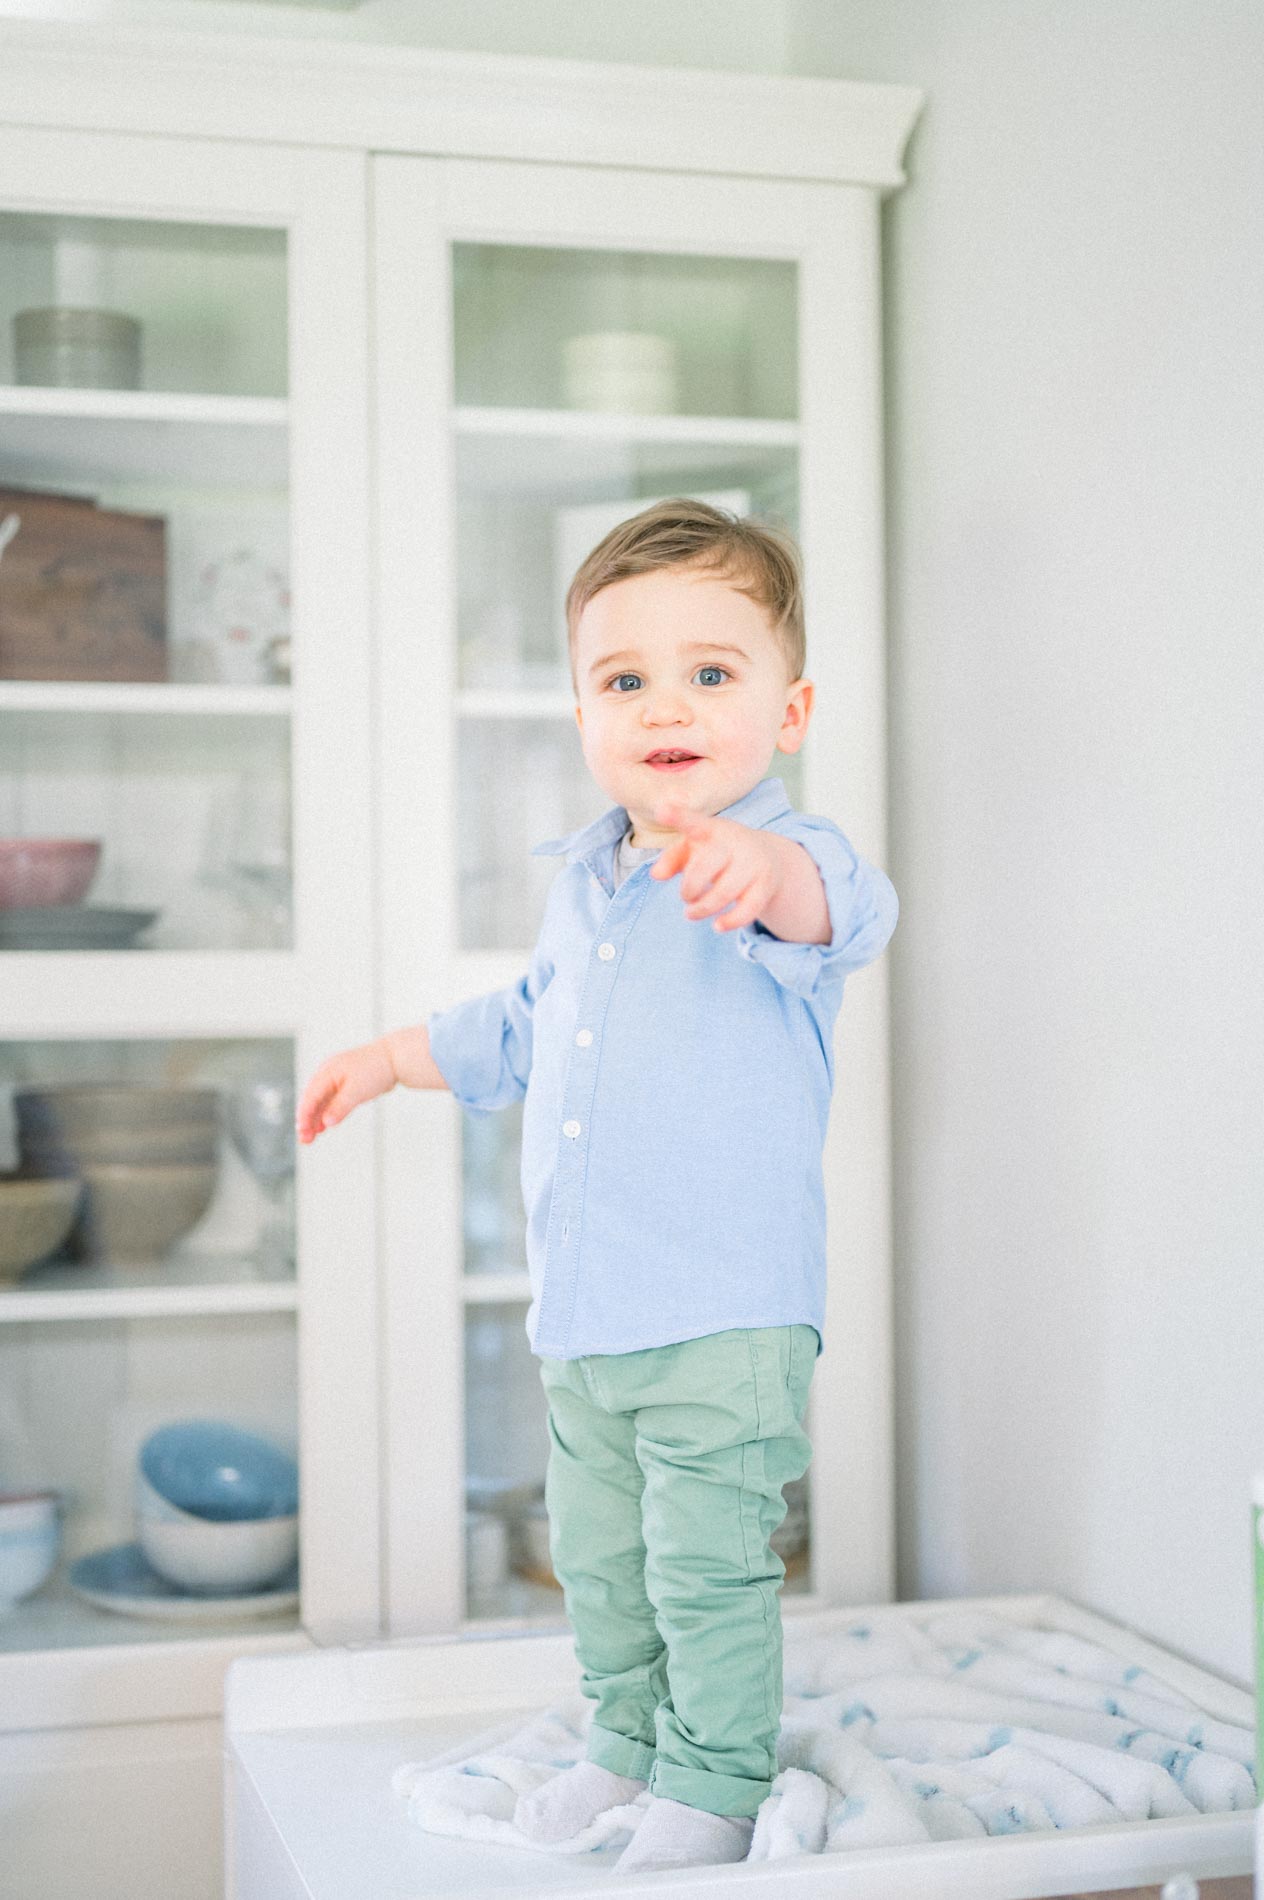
x=706, y=875
x=740, y=902
x=725, y=890
x=315, y=1095
x=670, y=859
x=313, y=1110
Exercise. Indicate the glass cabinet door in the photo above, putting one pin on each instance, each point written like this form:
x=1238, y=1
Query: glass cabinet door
x=584, y=377
x=145, y=596
x=587, y=383
x=144, y=806
x=157, y=1002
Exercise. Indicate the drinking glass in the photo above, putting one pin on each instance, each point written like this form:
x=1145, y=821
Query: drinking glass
x=260, y=1119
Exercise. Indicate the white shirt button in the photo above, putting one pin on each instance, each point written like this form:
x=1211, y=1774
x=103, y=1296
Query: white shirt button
x=605, y=951
x=571, y=1129
x=584, y=1038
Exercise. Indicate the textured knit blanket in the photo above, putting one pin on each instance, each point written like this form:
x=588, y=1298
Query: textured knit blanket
x=893, y=1732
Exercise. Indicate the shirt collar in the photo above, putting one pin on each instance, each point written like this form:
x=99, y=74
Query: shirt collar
x=763, y=802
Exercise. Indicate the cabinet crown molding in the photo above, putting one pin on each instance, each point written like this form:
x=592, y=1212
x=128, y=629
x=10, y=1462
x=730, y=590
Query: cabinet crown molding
x=107, y=78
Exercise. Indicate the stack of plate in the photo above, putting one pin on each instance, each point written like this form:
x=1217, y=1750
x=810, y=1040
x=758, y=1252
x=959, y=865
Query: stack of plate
x=148, y=1156
x=72, y=927
x=42, y=885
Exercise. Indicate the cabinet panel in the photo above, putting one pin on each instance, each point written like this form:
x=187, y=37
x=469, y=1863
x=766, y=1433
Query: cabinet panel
x=80, y=1812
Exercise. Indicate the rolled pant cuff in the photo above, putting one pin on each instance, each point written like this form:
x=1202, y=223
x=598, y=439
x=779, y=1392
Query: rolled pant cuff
x=699, y=1788
x=619, y=1753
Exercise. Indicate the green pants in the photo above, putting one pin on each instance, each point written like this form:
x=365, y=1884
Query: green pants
x=664, y=1487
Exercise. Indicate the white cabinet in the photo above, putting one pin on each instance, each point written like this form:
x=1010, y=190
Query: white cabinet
x=377, y=451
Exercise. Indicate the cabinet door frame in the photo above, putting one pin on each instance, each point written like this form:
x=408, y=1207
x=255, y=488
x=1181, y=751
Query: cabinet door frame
x=420, y=207
x=321, y=994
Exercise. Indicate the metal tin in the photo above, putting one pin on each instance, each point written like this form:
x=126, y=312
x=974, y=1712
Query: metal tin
x=67, y=348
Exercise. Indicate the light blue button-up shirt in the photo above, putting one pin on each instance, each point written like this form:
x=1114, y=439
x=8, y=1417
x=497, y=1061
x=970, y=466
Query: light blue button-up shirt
x=677, y=1085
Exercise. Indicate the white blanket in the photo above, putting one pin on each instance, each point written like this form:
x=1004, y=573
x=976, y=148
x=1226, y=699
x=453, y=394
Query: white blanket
x=963, y=1723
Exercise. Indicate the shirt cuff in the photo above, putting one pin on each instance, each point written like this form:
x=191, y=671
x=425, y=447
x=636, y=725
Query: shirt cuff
x=483, y=1048
x=863, y=908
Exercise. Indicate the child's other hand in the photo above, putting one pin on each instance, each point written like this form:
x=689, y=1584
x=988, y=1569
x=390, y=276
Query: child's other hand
x=340, y=1084
x=727, y=866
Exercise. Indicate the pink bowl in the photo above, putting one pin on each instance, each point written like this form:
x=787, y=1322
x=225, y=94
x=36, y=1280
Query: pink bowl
x=42, y=872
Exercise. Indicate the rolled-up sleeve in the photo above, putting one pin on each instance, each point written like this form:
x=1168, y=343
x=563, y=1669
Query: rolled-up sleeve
x=863, y=908
x=483, y=1046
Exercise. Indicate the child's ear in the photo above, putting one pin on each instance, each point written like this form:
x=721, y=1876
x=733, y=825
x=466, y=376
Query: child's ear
x=797, y=716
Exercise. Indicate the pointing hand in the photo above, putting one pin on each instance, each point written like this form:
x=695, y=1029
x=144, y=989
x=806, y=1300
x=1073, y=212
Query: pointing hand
x=726, y=866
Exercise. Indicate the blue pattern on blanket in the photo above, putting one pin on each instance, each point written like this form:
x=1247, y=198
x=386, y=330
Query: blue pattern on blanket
x=1008, y=1821
x=908, y=1729
x=964, y=1662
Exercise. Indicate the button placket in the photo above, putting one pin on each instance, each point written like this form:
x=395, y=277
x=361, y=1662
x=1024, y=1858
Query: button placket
x=560, y=1281
x=607, y=953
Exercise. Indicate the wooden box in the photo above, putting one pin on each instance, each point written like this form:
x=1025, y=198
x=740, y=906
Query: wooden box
x=82, y=590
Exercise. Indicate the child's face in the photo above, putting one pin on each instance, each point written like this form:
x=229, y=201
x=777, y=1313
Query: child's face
x=672, y=686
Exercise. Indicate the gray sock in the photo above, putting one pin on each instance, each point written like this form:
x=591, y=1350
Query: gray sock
x=674, y=1835
x=572, y=1800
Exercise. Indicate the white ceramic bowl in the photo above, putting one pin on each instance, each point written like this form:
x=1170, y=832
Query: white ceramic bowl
x=624, y=370
x=134, y=1212
x=30, y=1538
x=218, y=1558
x=35, y=1217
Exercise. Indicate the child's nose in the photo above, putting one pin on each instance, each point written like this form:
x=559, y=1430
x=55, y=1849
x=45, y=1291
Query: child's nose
x=666, y=703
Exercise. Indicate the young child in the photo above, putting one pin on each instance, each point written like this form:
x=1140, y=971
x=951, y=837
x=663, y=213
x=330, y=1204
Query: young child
x=673, y=1041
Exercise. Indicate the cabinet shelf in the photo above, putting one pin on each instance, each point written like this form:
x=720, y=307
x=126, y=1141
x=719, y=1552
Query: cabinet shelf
x=159, y=1301
x=90, y=437
x=144, y=696
x=524, y=703
x=558, y=454
x=39, y=1680
x=495, y=1289
x=608, y=425
x=152, y=993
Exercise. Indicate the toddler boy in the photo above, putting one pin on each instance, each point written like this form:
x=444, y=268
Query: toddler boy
x=677, y=1091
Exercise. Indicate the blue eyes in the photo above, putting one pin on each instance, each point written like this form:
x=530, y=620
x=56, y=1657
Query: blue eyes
x=636, y=676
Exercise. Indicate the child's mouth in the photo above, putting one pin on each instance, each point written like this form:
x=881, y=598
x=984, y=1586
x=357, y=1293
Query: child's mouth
x=674, y=765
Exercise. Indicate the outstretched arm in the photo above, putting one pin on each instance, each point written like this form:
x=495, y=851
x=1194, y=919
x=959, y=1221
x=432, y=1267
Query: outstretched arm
x=797, y=912
x=746, y=874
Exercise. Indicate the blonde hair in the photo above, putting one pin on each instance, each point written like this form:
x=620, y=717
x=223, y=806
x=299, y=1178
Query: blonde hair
x=762, y=561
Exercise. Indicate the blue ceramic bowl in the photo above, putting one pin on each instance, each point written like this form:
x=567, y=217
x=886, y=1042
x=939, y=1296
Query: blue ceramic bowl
x=215, y=1471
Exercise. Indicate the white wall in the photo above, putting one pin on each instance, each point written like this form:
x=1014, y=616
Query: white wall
x=1075, y=276
x=733, y=35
